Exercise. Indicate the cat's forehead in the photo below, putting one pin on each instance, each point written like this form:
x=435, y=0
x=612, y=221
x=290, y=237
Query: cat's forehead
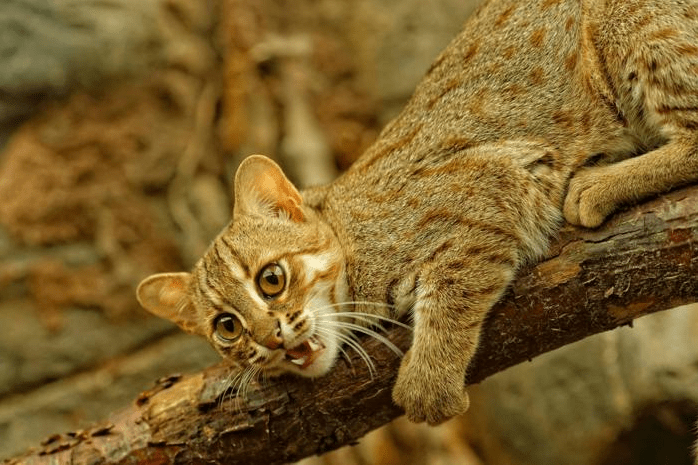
x=253, y=242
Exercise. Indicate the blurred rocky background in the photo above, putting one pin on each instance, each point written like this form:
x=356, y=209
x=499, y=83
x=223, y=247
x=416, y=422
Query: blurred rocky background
x=121, y=123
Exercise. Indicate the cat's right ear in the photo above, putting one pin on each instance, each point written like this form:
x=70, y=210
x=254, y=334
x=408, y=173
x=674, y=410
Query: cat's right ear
x=165, y=295
x=262, y=189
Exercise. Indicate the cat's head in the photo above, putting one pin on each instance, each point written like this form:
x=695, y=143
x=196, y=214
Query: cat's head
x=266, y=292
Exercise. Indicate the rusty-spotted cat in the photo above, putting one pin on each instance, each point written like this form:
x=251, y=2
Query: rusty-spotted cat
x=468, y=183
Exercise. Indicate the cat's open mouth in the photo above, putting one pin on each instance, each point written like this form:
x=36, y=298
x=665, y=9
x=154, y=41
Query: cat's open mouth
x=304, y=354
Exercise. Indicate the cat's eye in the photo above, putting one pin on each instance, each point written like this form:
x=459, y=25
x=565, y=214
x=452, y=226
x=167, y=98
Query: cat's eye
x=227, y=327
x=271, y=280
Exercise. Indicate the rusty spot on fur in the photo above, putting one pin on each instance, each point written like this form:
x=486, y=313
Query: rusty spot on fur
x=448, y=87
x=564, y=119
x=437, y=215
x=448, y=168
x=504, y=16
x=514, y=89
x=691, y=12
x=456, y=144
x=537, y=76
x=687, y=49
x=571, y=61
x=586, y=122
x=663, y=34
x=548, y=3
x=644, y=21
x=692, y=125
x=666, y=109
x=508, y=52
x=440, y=249
x=297, y=327
x=382, y=196
x=477, y=102
x=538, y=37
x=414, y=202
x=472, y=50
x=569, y=23
x=549, y=159
x=390, y=147
x=291, y=317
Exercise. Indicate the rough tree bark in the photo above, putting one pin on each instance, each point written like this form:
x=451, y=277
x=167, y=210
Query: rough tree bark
x=643, y=260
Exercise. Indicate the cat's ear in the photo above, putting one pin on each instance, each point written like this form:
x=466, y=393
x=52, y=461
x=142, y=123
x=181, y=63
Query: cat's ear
x=165, y=295
x=261, y=188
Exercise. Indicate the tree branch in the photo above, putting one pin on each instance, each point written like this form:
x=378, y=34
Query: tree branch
x=642, y=261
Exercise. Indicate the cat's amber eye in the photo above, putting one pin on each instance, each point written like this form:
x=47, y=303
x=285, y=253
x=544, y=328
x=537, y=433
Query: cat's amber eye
x=271, y=280
x=227, y=327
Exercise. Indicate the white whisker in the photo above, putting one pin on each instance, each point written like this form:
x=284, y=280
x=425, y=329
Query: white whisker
x=235, y=385
x=226, y=387
x=241, y=382
x=345, y=356
x=365, y=317
x=231, y=386
x=369, y=332
x=349, y=340
x=265, y=378
x=361, y=302
x=252, y=373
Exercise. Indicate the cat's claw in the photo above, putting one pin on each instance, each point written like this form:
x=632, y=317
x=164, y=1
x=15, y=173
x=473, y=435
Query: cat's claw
x=428, y=396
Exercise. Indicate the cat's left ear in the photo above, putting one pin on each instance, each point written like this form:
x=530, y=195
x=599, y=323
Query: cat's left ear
x=166, y=295
x=261, y=188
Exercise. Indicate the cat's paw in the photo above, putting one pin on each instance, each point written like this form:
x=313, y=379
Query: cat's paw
x=590, y=198
x=427, y=395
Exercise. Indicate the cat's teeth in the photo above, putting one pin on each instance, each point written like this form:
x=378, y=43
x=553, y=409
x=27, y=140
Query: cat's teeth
x=314, y=345
x=299, y=361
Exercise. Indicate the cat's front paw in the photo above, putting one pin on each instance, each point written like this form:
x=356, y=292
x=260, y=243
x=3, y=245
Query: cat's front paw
x=429, y=395
x=589, y=198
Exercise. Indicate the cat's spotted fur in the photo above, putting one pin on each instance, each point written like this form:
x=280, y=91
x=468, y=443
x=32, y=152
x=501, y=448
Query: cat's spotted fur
x=464, y=186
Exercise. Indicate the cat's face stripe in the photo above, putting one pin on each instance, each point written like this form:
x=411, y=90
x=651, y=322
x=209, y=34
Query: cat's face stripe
x=234, y=256
x=227, y=256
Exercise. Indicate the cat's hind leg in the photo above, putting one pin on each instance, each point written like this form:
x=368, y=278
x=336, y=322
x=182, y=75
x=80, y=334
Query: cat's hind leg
x=654, y=71
x=595, y=192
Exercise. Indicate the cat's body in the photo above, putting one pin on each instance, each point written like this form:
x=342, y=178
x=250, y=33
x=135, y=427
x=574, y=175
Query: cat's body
x=466, y=184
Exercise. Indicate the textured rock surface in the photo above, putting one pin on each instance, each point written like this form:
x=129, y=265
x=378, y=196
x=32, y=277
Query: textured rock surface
x=99, y=103
x=49, y=48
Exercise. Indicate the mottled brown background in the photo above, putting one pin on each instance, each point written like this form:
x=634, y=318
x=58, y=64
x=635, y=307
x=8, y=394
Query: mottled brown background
x=121, y=123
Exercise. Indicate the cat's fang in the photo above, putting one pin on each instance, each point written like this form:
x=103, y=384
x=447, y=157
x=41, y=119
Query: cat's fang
x=315, y=345
x=299, y=361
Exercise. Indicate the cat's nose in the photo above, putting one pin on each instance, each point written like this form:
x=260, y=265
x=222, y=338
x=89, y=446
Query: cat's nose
x=274, y=340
